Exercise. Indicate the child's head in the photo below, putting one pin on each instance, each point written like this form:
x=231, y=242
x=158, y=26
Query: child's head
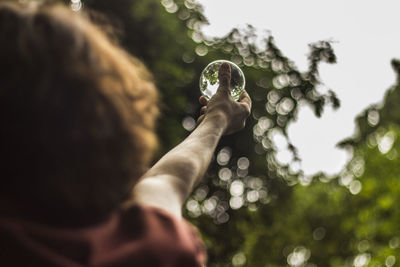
x=77, y=114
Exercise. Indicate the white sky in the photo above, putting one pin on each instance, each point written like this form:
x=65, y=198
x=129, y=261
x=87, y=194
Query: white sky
x=367, y=37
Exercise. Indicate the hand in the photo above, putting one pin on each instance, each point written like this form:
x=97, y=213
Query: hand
x=221, y=105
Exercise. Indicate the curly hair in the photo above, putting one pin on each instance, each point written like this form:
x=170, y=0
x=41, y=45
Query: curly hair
x=77, y=113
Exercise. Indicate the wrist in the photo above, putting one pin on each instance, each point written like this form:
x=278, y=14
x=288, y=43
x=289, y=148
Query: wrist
x=218, y=120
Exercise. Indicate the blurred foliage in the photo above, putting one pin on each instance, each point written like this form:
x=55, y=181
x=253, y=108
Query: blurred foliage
x=251, y=209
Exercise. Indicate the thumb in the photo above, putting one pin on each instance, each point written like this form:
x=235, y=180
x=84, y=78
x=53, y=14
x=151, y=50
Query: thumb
x=224, y=77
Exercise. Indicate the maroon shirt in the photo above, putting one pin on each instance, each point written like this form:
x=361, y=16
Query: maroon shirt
x=139, y=236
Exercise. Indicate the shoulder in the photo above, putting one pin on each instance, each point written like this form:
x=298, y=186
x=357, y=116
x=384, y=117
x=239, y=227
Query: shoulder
x=137, y=236
x=156, y=237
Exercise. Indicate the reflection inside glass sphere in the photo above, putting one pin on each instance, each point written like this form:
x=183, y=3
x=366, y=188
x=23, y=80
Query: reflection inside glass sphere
x=209, y=79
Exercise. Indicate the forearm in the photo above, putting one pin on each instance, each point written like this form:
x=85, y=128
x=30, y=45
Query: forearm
x=188, y=161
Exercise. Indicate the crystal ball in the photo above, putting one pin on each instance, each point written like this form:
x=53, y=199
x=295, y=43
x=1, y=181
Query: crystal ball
x=209, y=79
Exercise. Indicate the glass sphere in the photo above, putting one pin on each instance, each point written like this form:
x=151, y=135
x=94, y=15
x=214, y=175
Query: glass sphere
x=209, y=79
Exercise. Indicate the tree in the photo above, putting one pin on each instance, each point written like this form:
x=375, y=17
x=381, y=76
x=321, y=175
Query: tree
x=346, y=220
x=244, y=176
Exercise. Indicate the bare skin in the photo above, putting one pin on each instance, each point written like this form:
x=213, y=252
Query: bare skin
x=170, y=181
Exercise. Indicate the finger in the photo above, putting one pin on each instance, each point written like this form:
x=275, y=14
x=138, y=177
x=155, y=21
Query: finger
x=245, y=99
x=203, y=100
x=224, y=77
x=245, y=102
x=203, y=110
x=200, y=119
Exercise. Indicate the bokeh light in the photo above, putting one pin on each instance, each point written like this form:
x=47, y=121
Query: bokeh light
x=190, y=4
x=243, y=163
x=363, y=245
x=236, y=202
x=355, y=187
x=201, y=50
x=362, y=260
x=390, y=261
x=209, y=205
x=394, y=242
x=239, y=259
x=193, y=208
x=345, y=179
x=222, y=217
x=223, y=156
x=201, y=193
x=76, y=5
x=236, y=188
x=386, y=142
x=319, y=233
x=373, y=117
x=298, y=257
x=170, y=6
x=188, y=123
x=252, y=196
x=225, y=174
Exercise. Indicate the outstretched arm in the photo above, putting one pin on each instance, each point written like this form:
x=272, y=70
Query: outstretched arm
x=170, y=181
